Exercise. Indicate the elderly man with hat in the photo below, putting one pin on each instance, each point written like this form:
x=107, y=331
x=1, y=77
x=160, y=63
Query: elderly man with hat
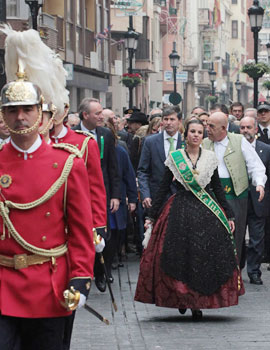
x=135, y=121
x=263, y=115
x=46, y=237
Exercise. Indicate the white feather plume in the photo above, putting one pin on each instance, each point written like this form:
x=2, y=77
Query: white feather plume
x=25, y=51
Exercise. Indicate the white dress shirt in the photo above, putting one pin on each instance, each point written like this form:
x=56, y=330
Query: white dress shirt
x=31, y=149
x=255, y=167
x=62, y=134
x=167, y=142
x=93, y=132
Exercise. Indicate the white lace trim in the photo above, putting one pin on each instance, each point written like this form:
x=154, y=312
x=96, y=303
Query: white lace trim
x=206, y=166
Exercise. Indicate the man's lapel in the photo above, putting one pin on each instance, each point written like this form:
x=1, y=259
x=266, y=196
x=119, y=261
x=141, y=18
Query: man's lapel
x=159, y=144
x=179, y=141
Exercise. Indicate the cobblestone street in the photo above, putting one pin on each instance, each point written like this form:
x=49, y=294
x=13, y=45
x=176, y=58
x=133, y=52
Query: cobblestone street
x=138, y=326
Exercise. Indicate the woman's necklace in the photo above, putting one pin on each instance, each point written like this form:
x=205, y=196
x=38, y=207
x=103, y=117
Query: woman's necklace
x=194, y=166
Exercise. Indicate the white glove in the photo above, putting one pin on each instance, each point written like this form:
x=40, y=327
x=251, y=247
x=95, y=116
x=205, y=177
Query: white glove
x=82, y=301
x=147, y=235
x=100, y=246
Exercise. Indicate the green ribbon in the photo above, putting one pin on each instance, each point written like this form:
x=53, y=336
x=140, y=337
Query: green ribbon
x=189, y=179
x=102, y=147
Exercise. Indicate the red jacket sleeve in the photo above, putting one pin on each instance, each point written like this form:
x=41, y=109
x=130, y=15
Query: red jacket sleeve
x=80, y=225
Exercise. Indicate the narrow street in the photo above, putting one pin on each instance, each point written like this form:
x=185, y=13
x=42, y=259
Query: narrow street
x=137, y=326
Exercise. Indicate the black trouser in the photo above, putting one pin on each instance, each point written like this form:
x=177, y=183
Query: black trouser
x=31, y=333
x=256, y=227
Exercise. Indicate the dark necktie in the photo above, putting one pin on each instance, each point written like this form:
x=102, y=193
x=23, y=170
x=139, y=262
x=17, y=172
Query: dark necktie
x=265, y=131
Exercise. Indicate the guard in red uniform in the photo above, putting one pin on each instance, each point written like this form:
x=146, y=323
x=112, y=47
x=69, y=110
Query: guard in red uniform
x=88, y=146
x=86, y=143
x=46, y=240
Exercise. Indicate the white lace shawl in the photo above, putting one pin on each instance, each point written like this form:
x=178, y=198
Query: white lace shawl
x=206, y=165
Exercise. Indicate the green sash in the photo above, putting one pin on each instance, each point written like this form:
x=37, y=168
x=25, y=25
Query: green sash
x=189, y=179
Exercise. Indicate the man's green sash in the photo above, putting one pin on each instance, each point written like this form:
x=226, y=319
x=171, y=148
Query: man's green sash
x=189, y=179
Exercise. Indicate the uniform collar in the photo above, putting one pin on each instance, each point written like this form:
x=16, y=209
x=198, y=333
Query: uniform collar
x=62, y=134
x=31, y=149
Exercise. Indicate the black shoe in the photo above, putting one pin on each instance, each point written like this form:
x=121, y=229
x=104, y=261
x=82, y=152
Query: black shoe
x=255, y=279
x=182, y=311
x=100, y=283
x=115, y=266
x=120, y=264
x=196, y=315
x=111, y=279
x=268, y=267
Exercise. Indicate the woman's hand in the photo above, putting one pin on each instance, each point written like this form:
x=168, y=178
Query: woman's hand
x=147, y=223
x=232, y=225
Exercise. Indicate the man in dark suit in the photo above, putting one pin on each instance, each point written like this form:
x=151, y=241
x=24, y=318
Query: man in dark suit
x=264, y=122
x=257, y=211
x=218, y=107
x=154, y=153
x=90, y=113
x=263, y=135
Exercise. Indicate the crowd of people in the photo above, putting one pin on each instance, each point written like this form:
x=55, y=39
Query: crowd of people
x=185, y=191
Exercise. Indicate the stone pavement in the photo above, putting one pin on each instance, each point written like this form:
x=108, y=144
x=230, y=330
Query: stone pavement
x=137, y=326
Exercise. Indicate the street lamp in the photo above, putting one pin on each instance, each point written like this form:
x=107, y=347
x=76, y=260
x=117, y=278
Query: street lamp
x=238, y=86
x=212, y=77
x=268, y=51
x=174, y=62
x=34, y=5
x=255, y=14
x=131, y=43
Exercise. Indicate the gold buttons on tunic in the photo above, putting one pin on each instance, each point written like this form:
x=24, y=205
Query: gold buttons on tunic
x=55, y=165
x=30, y=156
x=44, y=238
x=19, y=155
x=48, y=214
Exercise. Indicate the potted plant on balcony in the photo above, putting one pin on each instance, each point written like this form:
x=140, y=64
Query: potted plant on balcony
x=212, y=99
x=255, y=70
x=131, y=80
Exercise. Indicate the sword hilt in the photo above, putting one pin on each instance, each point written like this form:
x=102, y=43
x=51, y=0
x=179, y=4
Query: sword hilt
x=72, y=298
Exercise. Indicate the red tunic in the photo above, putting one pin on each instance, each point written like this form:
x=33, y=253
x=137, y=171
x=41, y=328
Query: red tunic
x=35, y=291
x=95, y=177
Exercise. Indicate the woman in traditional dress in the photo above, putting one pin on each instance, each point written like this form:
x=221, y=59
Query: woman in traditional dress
x=190, y=260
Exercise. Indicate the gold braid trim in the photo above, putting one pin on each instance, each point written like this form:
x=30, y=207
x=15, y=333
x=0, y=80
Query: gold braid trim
x=27, y=246
x=84, y=145
x=86, y=133
x=51, y=191
x=70, y=148
x=4, y=212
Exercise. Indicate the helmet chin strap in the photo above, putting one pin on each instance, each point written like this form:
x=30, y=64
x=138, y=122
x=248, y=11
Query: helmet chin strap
x=25, y=131
x=50, y=123
x=60, y=121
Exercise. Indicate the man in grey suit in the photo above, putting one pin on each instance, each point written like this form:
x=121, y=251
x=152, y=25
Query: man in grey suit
x=257, y=211
x=154, y=153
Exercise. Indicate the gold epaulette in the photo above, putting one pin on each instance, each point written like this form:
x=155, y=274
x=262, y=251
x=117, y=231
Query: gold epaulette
x=69, y=148
x=85, y=133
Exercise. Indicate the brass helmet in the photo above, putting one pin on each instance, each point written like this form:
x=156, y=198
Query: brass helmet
x=20, y=92
x=48, y=107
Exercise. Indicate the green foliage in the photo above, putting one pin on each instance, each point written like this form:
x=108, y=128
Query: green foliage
x=255, y=70
x=266, y=84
